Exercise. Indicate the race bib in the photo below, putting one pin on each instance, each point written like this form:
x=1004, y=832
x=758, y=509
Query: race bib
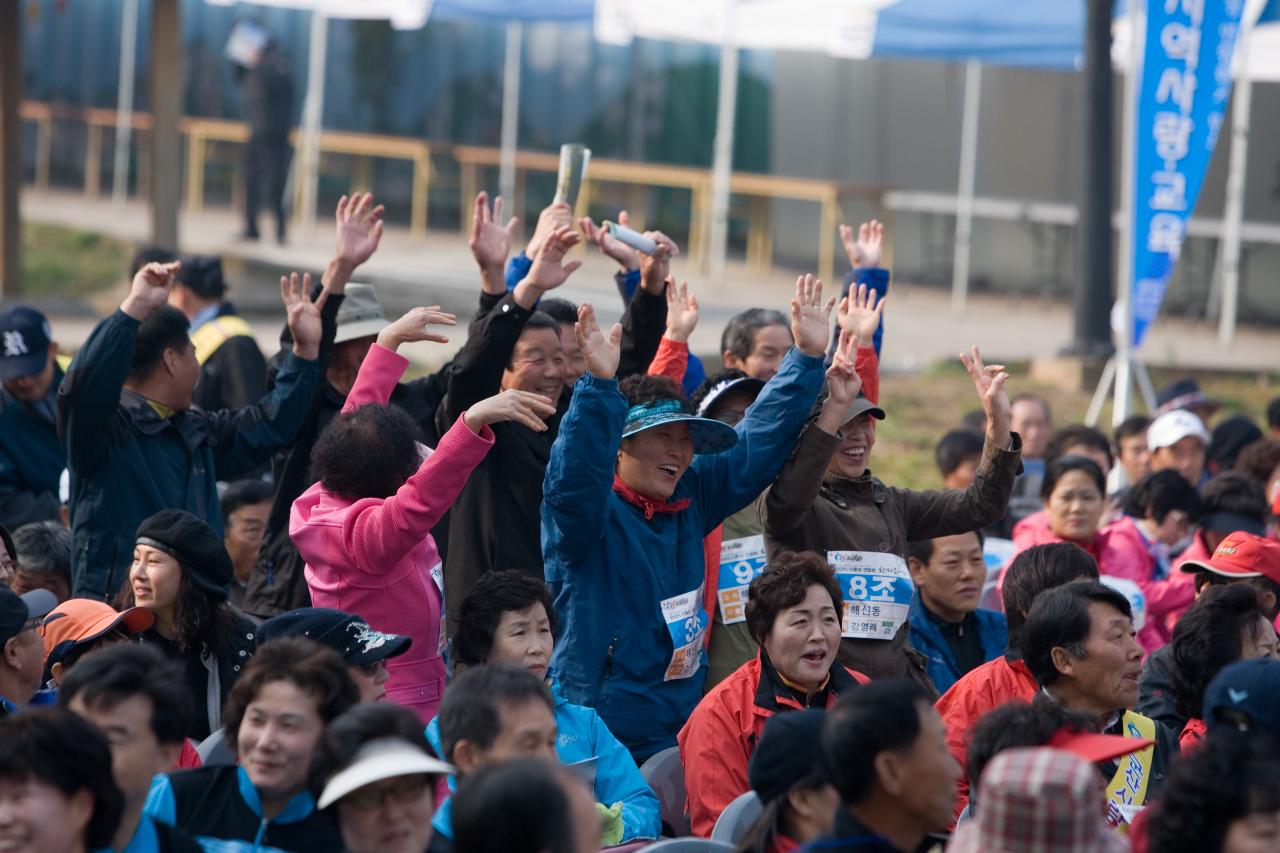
x=687, y=624
x=877, y=592
x=437, y=575
x=1133, y=592
x=741, y=562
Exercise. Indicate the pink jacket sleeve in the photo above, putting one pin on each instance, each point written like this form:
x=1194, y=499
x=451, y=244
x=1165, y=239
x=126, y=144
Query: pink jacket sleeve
x=380, y=532
x=379, y=373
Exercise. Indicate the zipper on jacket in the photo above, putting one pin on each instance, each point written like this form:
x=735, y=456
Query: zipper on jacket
x=608, y=668
x=262, y=832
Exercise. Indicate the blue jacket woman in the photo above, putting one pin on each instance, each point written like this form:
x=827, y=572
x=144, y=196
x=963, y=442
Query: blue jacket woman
x=626, y=505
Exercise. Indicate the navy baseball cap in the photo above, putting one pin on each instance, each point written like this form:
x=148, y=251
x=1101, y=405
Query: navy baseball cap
x=346, y=633
x=17, y=612
x=24, y=342
x=1245, y=696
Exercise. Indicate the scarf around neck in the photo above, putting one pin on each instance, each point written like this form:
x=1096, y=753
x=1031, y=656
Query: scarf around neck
x=648, y=505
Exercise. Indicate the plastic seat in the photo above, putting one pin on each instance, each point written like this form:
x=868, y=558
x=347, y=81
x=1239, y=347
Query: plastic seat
x=737, y=818
x=665, y=775
x=687, y=845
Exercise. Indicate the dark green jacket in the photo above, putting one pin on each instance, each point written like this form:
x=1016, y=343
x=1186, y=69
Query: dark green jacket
x=127, y=462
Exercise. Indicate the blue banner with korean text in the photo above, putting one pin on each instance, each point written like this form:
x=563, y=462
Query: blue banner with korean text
x=1186, y=81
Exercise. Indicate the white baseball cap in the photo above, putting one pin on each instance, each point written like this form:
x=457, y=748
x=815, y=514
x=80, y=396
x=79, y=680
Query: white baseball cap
x=385, y=758
x=1171, y=427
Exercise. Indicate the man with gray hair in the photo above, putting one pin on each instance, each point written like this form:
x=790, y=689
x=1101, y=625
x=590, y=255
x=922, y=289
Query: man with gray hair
x=43, y=559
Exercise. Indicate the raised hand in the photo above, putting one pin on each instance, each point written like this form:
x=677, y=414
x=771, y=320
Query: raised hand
x=843, y=384
x=627, y=257
x=810, y=321
x=302, y=315
x=491, y=241
x=413, y=327
x=521, y=407
x=682, y=311
x=359, y=228
x=150, y=289
x=860, y=312
x=867, y=249
x=601, y=352
x=549, y=270
x=553, y=217
x=655, y=268
x=989, y=381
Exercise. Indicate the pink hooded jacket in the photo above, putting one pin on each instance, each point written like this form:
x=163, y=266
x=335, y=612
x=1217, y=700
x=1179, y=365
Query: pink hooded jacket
x=1117, y=555
x=375, y=557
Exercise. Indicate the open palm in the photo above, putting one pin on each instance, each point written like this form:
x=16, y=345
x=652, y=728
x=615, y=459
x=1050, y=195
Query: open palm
x=359, y=228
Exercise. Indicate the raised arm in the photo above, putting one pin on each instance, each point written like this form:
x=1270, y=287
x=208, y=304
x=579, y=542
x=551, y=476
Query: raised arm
x=645, y=318
x=579, y=478
x=380, y=532
x=729, y=481
x=90, y=391
x=859, y=314
x=865, y=250
x=943, y=513
x=383, y=366
x=490, y=242
x=672, y=358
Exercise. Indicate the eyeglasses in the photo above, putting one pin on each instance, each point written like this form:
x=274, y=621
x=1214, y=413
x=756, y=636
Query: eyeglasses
x=404, y=791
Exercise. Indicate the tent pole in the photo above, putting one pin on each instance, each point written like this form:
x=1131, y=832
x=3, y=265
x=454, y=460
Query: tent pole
x=510, y=115
x=722, y=162
x=1233, y=215
x=312, y=114
x=124, y=102
x=1124, y=339
x=968, y=175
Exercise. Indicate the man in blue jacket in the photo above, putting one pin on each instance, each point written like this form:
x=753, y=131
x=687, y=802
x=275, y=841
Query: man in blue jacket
x=31, y=457
x=946, y=625
x=135, y=445
x=626, y=505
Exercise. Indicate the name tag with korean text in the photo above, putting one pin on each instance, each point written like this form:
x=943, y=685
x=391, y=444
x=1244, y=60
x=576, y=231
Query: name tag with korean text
x=741, y=562
x=877, y=592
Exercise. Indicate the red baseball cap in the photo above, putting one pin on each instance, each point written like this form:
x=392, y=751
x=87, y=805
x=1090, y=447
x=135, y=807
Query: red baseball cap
x=1096, y=747
x=1241, y=555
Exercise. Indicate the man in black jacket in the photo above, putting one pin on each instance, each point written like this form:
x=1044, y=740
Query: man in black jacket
x=267, y=92
x=884, y=750
x=233, y=373
x=495, y=522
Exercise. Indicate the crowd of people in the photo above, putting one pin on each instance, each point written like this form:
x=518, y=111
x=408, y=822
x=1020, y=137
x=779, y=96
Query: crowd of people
x=576, y=590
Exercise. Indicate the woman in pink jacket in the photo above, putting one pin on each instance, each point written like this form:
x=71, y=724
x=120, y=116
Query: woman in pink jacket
x=364, y=528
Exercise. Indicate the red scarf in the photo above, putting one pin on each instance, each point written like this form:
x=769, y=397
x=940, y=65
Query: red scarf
x=647, y=505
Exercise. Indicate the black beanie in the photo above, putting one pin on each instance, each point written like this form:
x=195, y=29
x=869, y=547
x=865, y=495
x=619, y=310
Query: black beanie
x=786, y=754
x=195, y=546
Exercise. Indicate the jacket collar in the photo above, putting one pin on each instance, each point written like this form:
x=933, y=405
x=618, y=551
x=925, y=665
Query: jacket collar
x=295, y=811
x=144, y=417
x=773, y=695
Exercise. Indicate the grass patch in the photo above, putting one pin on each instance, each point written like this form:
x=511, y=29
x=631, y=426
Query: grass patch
x=922, y=407
x=68, y=263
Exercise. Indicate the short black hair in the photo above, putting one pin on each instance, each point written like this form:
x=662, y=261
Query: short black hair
x=1056, y=469
x=1160, y=493
x=562, y=311
x=640, y=389
x=1019, y=724
x=353, y=728
x=368, y=453
x=955, y=448
x=1259, y=460
x=739, y=335
x=58, y=748
x=243, y=493
x=492, y=595
x=471, y=709
x=116, y=673
x=164, y=328
x=1229, y=776
x=922, y=549
x=1273, y=413
x=1207, y=638
x=1231, y=438
x=1130, y=426
x=517, y=806
x=1075, y=435
x=43, y=547
x=1036, y=569
x=150, y=255
x=882, y=716
x=1236, y=493
x=1059, y=618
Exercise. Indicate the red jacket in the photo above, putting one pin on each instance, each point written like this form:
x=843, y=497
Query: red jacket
x=991, y=685
x=717, y=741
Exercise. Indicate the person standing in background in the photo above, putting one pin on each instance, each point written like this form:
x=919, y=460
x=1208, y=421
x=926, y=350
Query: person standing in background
x=266, y=93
